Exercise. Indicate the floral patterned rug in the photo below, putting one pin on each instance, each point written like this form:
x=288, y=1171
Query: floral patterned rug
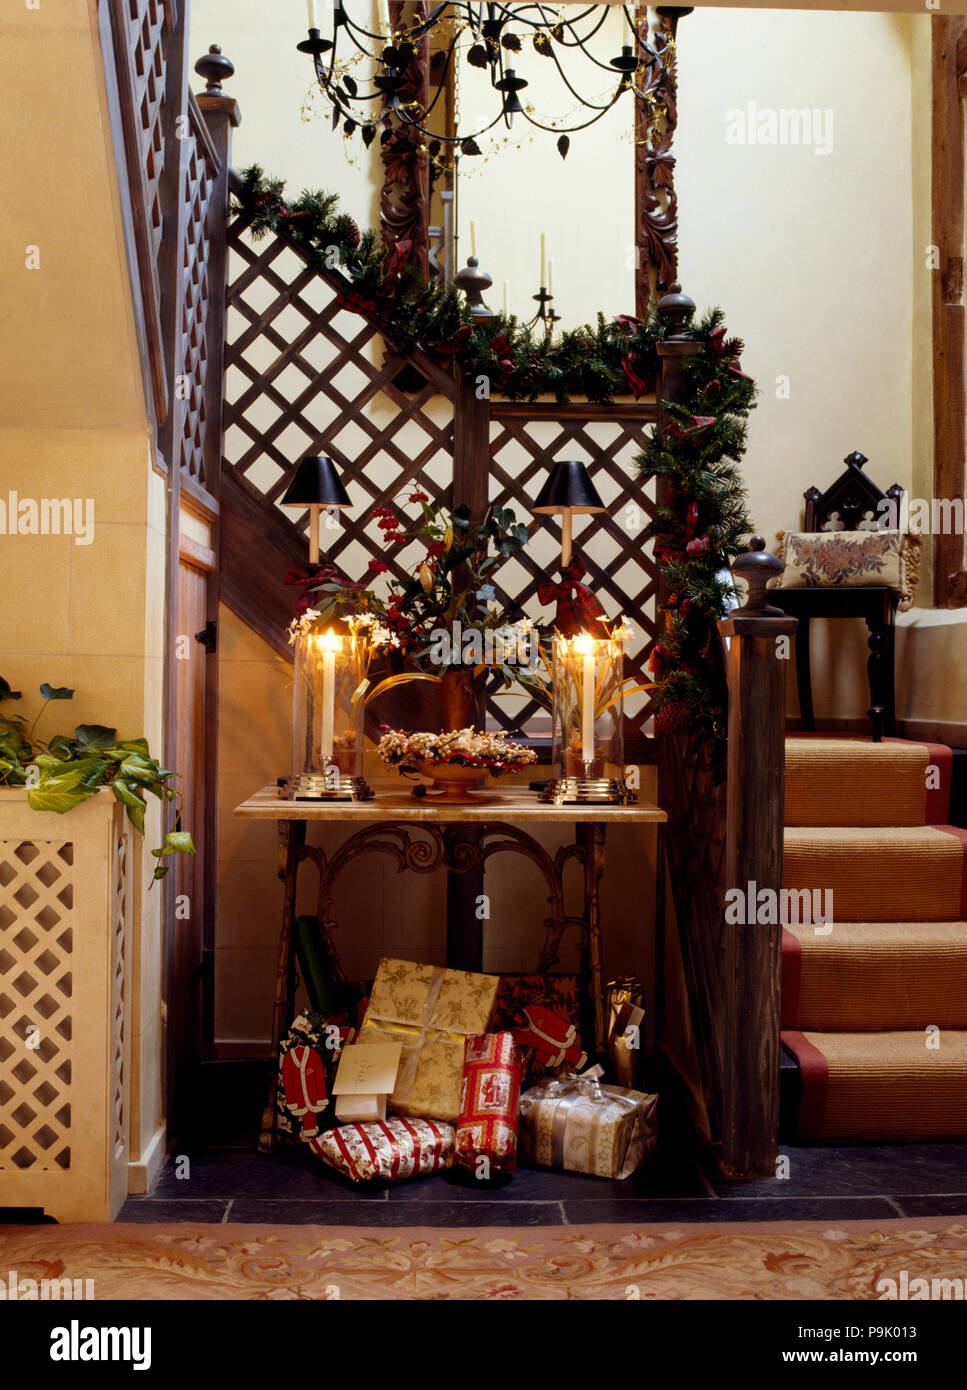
x=769, y=1260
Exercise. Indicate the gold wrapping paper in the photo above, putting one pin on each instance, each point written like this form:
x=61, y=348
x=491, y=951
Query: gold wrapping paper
x=625, y=1004
x=432, y=1011
x=574, y=1122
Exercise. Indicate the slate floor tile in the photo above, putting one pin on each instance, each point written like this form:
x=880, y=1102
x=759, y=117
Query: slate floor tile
x=859, y=1170
x=673, y=1212
x=374, y=1212
x=144, y=1210
x=934, y=1205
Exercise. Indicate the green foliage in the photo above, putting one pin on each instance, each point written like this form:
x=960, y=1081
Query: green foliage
x=702, y=508
x=522, y=362
x=69, y=768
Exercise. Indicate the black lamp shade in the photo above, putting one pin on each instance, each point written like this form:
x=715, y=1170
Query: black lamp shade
x=316, y=483
x=568, y=488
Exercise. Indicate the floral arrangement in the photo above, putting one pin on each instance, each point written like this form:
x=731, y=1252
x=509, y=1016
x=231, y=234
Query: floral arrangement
x=446, y=613
x=465, y=747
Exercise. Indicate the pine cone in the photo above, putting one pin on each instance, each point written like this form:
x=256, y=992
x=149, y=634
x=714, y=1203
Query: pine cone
x=672, y=718
x=347, y=231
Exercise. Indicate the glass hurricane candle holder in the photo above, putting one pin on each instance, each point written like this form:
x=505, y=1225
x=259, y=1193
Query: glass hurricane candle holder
x=328, y=711
x=587, y=751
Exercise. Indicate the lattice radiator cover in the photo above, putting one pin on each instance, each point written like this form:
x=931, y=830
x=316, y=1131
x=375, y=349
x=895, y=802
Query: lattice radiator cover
x=65, y=899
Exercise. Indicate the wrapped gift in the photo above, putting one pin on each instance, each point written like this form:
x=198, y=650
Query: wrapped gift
x=308, y=1058
x=575, y=1122
x=553, y=1040
x=392, y=1149
x=558, y=1029
x=624, y=1000
x=431, y=1011
x=489, y=1104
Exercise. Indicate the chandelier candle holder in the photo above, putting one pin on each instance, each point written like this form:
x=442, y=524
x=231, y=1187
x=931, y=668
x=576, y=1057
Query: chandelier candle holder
x=587, y=751
x=329, y=688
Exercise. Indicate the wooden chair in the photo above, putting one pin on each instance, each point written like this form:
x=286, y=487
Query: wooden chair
x=849, y=504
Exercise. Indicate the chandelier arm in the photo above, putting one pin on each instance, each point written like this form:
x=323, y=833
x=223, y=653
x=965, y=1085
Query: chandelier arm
x=447, y=139
x=443, y=78
x=568, y=129
x=519, y=16
x=591, y=105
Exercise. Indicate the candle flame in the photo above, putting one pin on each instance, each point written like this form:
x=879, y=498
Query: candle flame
x=584, y=644
x=327, y=641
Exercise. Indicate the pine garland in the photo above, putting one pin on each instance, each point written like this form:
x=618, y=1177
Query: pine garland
x=702, y=522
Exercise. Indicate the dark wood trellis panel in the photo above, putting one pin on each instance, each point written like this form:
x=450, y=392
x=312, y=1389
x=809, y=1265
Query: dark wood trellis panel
x=306, y=375
x=142, y=33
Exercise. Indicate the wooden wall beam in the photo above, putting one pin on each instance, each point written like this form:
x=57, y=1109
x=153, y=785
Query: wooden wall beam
x=949, y=55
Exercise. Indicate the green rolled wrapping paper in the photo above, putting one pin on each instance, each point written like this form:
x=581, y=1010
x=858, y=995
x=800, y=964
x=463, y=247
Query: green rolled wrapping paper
x=326, y=995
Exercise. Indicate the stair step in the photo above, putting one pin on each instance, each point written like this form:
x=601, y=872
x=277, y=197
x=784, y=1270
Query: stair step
x=881, y=1085
x=845, y=781
x=872, y=872
x=875, y=976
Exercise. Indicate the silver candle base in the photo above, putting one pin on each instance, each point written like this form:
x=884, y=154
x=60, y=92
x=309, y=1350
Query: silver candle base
x=317, y=787
x=602, y=791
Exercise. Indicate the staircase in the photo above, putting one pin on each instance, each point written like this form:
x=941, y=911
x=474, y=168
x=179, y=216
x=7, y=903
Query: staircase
x=874, y=1001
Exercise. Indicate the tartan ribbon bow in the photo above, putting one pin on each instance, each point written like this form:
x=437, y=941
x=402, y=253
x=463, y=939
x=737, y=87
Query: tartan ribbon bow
x=577, y=608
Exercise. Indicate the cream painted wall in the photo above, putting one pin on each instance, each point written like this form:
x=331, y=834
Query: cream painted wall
x=73, y=423
x=271, y=84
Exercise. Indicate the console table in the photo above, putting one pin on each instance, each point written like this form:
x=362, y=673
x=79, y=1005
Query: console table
x=458, y=838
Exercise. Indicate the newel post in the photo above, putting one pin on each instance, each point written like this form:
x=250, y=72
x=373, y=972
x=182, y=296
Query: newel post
x=221, y=116
x=759, y=641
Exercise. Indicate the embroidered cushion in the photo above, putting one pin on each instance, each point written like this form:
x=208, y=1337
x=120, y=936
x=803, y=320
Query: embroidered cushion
x=851, y=559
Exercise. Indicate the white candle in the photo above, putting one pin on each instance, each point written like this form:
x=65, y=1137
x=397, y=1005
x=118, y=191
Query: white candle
x=543, y=252
x=550, y=277
x=328, y=644
x=584, y=646
x=473, y=239
x=506, y=299
x=385, y=25
x=314, y=533
x=313, y=17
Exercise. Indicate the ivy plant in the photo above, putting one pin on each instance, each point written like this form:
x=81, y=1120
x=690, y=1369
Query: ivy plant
x=69, y=768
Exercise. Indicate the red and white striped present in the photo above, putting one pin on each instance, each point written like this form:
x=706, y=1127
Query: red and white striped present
x=389, y=1149
x=489, y=1104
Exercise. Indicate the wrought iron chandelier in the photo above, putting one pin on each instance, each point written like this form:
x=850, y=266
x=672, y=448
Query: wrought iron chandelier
x=494, y=38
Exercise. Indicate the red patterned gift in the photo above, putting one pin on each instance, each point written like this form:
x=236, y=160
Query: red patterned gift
x=543, y=1012
x=307, y=1065
x=389, y=1149
x=489, y=1103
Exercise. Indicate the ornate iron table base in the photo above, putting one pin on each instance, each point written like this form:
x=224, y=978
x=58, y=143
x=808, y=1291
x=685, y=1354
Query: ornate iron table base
x=458, y=848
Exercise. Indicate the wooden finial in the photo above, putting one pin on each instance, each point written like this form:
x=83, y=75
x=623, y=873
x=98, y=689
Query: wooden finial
x=215, y=68
x=677, y=307
x=757, y=567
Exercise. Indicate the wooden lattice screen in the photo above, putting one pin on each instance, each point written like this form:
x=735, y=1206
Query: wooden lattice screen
x=199, y=167
x=306, y=375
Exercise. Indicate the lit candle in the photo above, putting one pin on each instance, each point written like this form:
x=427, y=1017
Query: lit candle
x=584, y=646
x=506, y=299
x=314, y=533
x=550, y=277
x=473, y=239
x=313, y=17
x=543, y=253
x=328, y=643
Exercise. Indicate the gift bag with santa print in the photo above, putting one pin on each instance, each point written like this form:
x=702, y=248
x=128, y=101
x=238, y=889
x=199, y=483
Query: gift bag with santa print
x=543, y=1012
x=307, y=1067
x=487, y=1130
